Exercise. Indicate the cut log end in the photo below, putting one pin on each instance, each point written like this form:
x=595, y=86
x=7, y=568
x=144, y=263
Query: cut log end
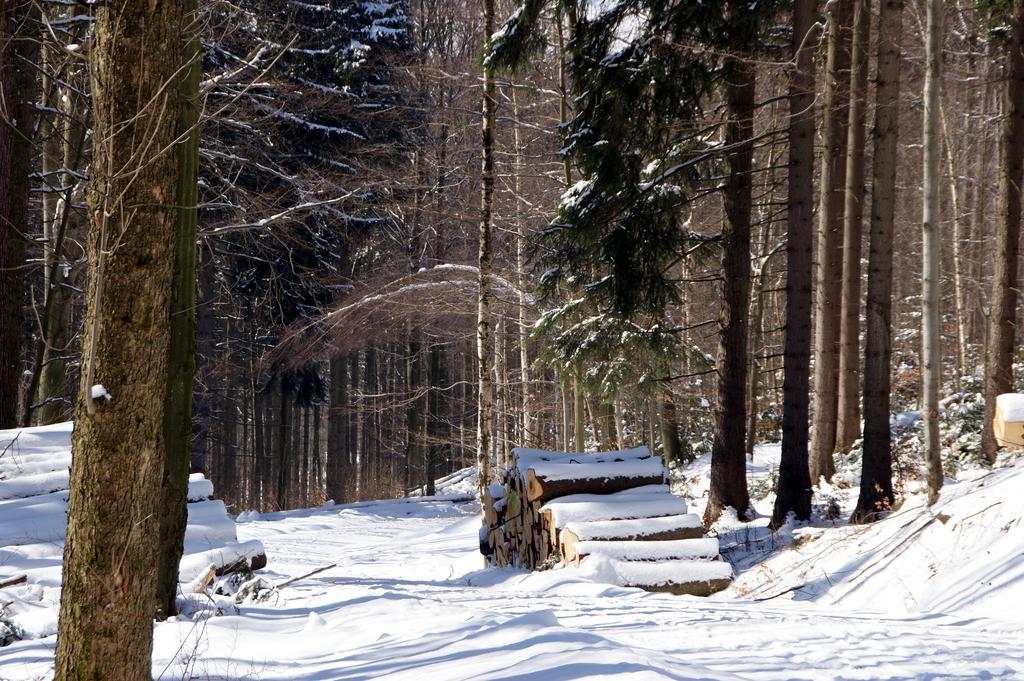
x=699, y=588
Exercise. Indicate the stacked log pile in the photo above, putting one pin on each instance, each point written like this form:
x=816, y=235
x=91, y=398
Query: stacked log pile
x=612, y=508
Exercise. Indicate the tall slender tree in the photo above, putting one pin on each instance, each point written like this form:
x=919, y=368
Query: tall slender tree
x=181, y=363
x=876, y=494
x=794, y=485
x=829, y=262
x=1002, y=319
x=931, y=286
x=728, y=455
x=109, y=578
x=848, y=411
x=485, y=262
x=17, y=125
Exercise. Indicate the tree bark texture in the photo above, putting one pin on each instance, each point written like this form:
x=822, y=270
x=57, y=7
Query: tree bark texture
x=931, y=287
x=794, y=486
x=182, y=352
x=109, y=577
x=829, y=260
x=848, y=410
x=485, y=262
x=728, y=454
x=1003, y=309
x=876, y=493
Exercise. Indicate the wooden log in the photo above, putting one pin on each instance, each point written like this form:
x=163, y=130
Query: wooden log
x=658, y=550
x=14, y=581
x=701, y=588
x=592, y=479
x=206, y=579
x=568, y=539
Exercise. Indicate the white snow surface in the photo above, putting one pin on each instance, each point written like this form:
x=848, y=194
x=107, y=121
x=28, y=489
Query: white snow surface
x=639, y=527
x=675, y=549
x=527, y=458
x=635, y=468
x=98, y=392
x=33, y=519
x=577, y=508
x=905, y=598
x=648, y=573
x=1011, y=406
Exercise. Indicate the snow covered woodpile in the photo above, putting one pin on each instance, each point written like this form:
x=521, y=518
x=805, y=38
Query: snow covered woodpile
x=34, y=479
x=613, y=510
x=1008, y=426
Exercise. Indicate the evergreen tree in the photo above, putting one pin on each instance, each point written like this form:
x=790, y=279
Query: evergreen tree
x=311, y=138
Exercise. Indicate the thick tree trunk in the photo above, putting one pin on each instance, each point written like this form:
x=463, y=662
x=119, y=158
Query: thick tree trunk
x=109, y=578
x=728, y=460
x=17, y=125
x=829, y=261
x=794, y=486
x=1003, y=315
x=848, y=411
x=181, y=362
x=485, y=262
x=876, y=494
x=931, y=287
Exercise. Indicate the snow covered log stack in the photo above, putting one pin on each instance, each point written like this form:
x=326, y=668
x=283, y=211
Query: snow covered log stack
x=1008, y=426
x=611, y=512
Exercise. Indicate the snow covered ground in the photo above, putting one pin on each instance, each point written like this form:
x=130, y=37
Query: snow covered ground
x=915, y=596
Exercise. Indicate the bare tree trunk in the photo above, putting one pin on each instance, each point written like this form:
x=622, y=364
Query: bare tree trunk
x=848, y=412
x=337, y=429
x=829, y=261
x=17, y=124
x=109, y=579
x=671, y=447
x=931, y=286
x=757, y=315
x=794, y=486
x=959, y=300
x=566, y=419
x=502, y=391
x=46, y=385
x=728, y=461
x=284, y=426
x=485, y=261
x=579, y=430
x=433, y=420
x=606, y=416
x=414, y=407
x=529, y=419
x=181, y=363
x=620, y=433
x=46, y=400
x=876, y=494
x=359, y=431
x=1003, y=314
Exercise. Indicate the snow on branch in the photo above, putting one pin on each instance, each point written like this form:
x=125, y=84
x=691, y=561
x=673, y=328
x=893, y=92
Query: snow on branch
x=443, y=291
